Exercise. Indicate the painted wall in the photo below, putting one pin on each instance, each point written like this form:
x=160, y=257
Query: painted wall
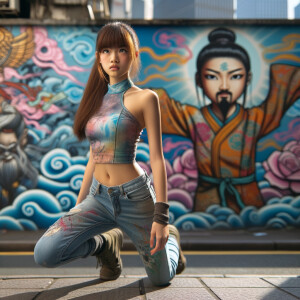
x=43, y=71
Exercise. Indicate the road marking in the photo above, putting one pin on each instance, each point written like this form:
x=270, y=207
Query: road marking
x=16, y=253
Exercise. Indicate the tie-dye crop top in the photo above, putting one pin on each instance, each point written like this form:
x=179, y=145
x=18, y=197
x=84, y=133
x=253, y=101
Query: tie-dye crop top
x=113, y=131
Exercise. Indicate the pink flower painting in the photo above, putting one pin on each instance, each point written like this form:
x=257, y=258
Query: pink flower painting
x=283, y=169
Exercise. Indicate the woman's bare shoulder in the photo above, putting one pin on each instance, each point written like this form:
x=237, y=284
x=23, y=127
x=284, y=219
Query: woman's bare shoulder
x=145, y=95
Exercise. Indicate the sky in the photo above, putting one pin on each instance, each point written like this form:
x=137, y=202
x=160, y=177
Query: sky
x=291, y=6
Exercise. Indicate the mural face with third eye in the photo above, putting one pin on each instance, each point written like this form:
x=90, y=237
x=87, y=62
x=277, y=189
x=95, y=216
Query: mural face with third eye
x=225, y=150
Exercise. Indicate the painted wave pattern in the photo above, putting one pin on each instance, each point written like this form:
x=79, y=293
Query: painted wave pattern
x=61, y=178
x=277, y=213
x=56, y=193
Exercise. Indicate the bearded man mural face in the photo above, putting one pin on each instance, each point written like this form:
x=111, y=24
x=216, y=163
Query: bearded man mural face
x=10, y=162
x=14, y=163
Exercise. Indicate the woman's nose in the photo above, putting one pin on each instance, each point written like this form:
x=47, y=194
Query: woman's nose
x=114, y=57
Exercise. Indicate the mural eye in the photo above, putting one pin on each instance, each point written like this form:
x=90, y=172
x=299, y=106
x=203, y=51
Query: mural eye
x=210, y=77
x=237, y=76
x=13, y=147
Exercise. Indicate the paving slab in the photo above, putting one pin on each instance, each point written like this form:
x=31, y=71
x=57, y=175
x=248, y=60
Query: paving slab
x=140, y=288
x=26, y=283
x=284, y=282
x=19, y=294
x=177, y=283
x=235, y=282
x=293, y=291
x=252, y=293
x=92, y=294
x=179, y=294
x=93, y=283
x=134, y=271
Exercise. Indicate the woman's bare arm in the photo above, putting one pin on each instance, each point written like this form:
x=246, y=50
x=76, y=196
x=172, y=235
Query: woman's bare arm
x=87, y=179
x=153, y=125
x=151, y=113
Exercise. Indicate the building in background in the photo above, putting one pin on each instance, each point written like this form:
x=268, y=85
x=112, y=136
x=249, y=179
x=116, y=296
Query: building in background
x=85, y=10
x=262, y=9
x=118, y=9
x=132, y=9
x=193, y=9
x=297, y=11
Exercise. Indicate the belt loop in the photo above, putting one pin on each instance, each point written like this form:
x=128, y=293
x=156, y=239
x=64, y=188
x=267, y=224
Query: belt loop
x=122, y=190
x=98, y=188
x=146, y=174
x=148, y=178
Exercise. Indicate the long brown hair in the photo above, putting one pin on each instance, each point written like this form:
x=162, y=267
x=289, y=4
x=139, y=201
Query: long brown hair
x=115, y=34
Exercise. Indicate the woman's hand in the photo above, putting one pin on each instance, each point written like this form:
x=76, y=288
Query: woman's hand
x=161, y=233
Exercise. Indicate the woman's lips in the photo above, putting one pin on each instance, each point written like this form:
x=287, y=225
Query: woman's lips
x=114, y=68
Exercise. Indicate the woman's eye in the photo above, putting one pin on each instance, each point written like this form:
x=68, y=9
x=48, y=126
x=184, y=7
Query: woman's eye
x=210, y=77
x=237, y=76
x=123, y=50
x=105, y=51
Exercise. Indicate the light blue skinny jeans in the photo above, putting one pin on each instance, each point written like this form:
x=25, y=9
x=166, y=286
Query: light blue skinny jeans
x=129, y=207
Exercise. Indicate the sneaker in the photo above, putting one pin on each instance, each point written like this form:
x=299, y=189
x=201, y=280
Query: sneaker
x=109, y=258
x=182, y=260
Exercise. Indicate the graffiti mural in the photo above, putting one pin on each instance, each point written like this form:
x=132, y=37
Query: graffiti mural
x=230, y=117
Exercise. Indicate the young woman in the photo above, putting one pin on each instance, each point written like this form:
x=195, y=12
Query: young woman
x=116, y=192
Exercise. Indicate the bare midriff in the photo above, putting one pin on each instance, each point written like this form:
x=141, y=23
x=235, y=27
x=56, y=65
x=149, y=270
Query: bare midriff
x=116, y=174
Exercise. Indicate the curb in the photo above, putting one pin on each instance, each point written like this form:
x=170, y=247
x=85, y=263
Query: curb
x=201, y=240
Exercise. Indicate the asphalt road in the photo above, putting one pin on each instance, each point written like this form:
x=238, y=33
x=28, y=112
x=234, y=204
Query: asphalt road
x=199, y=262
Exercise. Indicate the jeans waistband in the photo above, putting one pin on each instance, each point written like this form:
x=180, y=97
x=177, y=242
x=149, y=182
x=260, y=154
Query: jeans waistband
x=123, y=188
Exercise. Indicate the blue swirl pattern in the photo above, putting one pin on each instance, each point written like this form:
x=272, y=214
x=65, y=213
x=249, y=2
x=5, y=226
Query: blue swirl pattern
x=278, y=213
x=56, y=194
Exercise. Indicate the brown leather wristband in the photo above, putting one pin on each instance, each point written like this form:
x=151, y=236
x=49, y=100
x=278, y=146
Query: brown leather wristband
x=161, y=213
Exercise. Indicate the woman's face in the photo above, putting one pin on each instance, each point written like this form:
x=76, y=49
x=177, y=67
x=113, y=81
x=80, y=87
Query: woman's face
x=116, y=62
x=223, y=78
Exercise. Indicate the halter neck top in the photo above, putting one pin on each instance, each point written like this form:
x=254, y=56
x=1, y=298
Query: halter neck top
x=113, y=132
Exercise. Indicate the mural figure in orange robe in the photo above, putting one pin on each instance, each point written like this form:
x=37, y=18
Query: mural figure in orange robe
x=225, y=133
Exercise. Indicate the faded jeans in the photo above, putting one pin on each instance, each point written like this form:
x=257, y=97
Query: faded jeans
x=129, y=207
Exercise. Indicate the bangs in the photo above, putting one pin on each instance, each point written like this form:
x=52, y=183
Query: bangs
x=114, y=36
x=117, y=35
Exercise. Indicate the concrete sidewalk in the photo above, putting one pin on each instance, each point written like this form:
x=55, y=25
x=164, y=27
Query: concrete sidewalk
x=192, y=287
x=223, y=284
